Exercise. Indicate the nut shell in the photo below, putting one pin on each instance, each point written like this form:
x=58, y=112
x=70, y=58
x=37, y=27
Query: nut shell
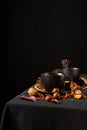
x=56, y=95
x=77, y=96
x=32, y=92
x=48, y=97
x=55, y=90
x=78, y=91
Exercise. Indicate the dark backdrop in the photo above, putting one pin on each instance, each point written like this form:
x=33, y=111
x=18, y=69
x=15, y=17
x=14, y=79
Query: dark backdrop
x=36, y=36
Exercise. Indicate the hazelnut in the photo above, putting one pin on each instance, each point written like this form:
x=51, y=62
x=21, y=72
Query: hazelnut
x=56, y=95
x=76, y=87
x=48, y=97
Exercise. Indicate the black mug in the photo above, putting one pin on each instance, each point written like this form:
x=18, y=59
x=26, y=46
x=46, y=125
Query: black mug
x=51, y=80
x=72, y=73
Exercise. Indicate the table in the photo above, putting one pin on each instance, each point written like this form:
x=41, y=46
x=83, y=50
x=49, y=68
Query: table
x=21, y=114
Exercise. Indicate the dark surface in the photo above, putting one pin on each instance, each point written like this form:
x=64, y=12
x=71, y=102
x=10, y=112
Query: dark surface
x=35, y=37
x=21, y=114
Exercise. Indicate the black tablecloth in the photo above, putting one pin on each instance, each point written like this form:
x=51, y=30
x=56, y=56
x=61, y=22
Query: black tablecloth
x=70, y=114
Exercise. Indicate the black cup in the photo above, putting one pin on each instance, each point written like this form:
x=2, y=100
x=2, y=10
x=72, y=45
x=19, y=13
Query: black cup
x=72, y=73
x=51, y=80
x=75, y=72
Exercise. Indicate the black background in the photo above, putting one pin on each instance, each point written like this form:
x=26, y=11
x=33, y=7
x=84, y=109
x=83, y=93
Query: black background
x=35, y=37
